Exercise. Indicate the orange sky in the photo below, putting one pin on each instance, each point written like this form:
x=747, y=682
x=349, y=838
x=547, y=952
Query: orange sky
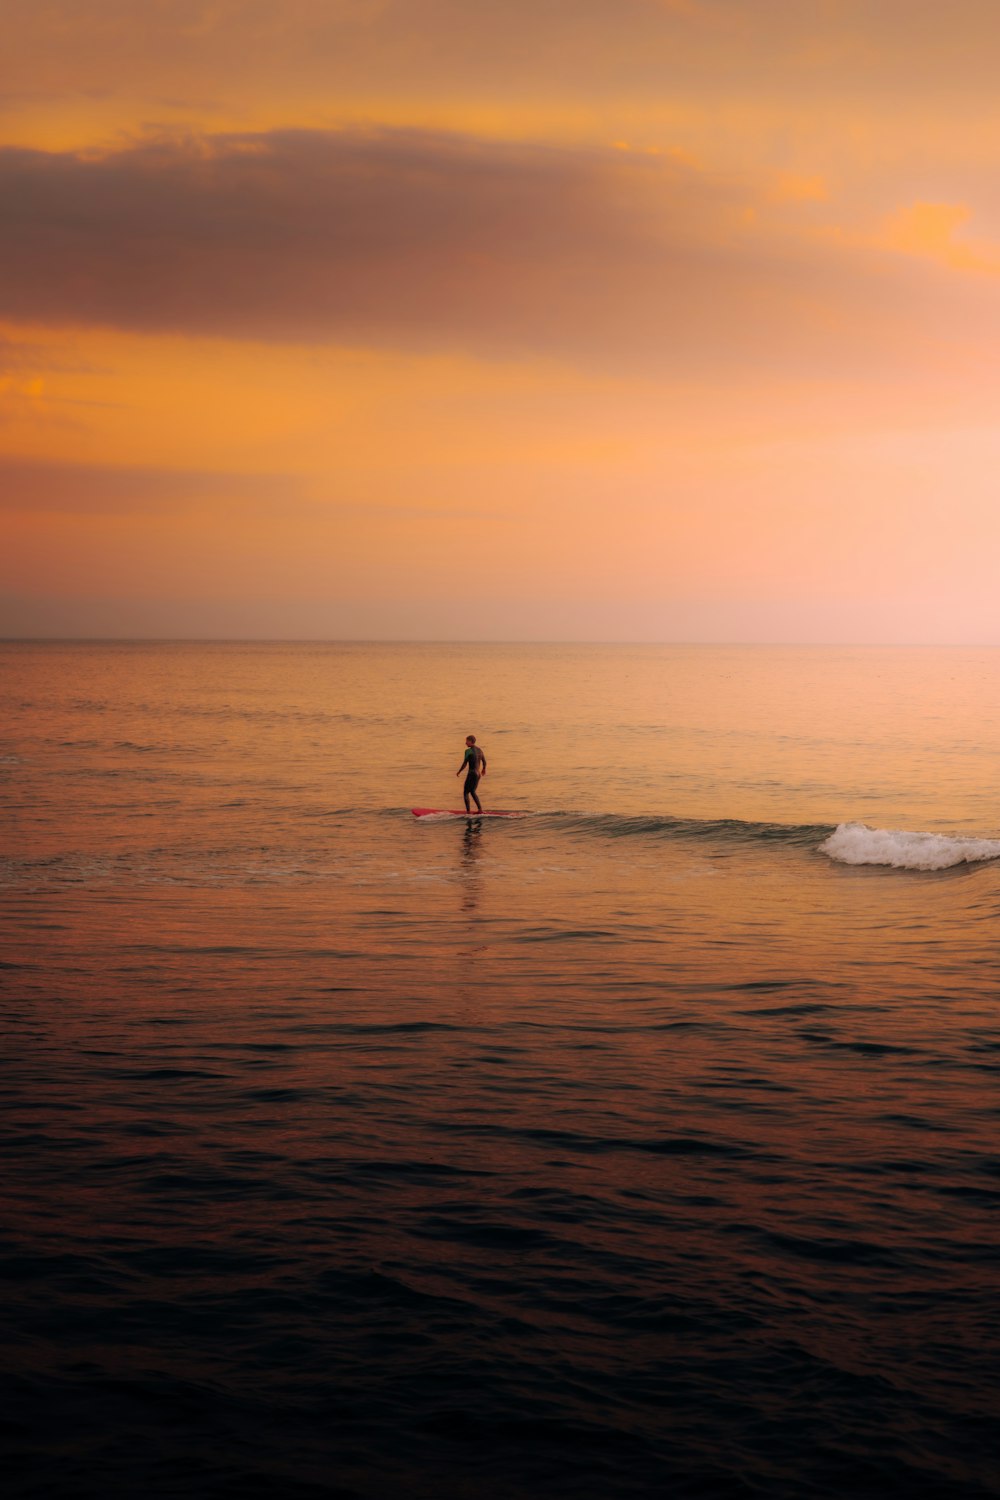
x=639, y=319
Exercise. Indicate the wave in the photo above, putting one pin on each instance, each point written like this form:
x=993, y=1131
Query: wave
x=845, y=843
x=731, y=830
x=857, y=844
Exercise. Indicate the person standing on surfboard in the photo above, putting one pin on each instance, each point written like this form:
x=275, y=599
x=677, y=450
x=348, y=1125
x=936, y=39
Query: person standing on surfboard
x=474, y=765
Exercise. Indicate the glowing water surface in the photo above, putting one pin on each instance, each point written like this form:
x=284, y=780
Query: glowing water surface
x=644, y=1144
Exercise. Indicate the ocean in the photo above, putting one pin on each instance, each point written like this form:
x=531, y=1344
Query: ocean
x=646, y=1144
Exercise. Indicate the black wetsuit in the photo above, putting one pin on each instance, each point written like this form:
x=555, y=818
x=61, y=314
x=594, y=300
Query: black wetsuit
x=474, y=758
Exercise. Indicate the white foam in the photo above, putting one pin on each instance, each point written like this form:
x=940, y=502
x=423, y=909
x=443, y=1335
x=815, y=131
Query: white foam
x=857, y=844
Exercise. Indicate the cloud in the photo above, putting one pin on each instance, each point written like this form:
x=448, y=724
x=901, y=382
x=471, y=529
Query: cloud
x=936, y=231
x=380, y=238
x=416, y=240
x=37, y=486
x=24, y=357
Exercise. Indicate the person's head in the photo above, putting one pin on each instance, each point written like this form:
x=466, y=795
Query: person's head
x=470, y=739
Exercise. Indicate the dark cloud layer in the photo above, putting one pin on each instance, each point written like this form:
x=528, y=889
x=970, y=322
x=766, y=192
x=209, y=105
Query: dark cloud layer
x=392, y=238
x=413, y=240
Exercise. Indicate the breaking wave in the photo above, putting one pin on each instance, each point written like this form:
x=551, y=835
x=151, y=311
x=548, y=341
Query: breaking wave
x=845, y=843
x=857, y=844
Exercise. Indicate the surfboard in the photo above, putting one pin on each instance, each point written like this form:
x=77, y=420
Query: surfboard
x=454, y=812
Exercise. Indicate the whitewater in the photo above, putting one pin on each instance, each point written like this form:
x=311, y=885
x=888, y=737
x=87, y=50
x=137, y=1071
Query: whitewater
x=856, y=844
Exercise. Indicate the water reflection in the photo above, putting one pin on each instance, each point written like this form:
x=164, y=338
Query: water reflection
x=470, y=872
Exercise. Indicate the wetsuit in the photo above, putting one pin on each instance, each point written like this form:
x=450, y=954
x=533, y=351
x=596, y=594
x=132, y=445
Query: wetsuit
x=474, y=757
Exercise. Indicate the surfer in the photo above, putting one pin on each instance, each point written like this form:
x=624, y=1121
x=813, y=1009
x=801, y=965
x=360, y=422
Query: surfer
x=474, y=765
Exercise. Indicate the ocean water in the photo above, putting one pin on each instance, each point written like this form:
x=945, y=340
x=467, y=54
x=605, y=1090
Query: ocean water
x=646, y=1144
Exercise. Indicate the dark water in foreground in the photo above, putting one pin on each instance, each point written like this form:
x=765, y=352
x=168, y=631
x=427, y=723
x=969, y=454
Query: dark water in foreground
x=645, y=1145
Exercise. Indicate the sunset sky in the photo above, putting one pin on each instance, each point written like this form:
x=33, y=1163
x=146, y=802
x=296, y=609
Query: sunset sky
x=545, y=319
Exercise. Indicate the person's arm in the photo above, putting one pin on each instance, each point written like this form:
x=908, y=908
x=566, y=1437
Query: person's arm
x=482, y=764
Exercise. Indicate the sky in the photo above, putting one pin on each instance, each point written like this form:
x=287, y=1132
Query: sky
x=649, y=320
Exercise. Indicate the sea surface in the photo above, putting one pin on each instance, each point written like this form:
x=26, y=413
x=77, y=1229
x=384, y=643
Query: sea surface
x=644, y=1145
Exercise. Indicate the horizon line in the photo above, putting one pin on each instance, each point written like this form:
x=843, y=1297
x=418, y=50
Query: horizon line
x=253, y=640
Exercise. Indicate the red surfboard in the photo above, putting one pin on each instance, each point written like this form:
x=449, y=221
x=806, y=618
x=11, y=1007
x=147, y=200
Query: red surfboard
x=454, y=812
